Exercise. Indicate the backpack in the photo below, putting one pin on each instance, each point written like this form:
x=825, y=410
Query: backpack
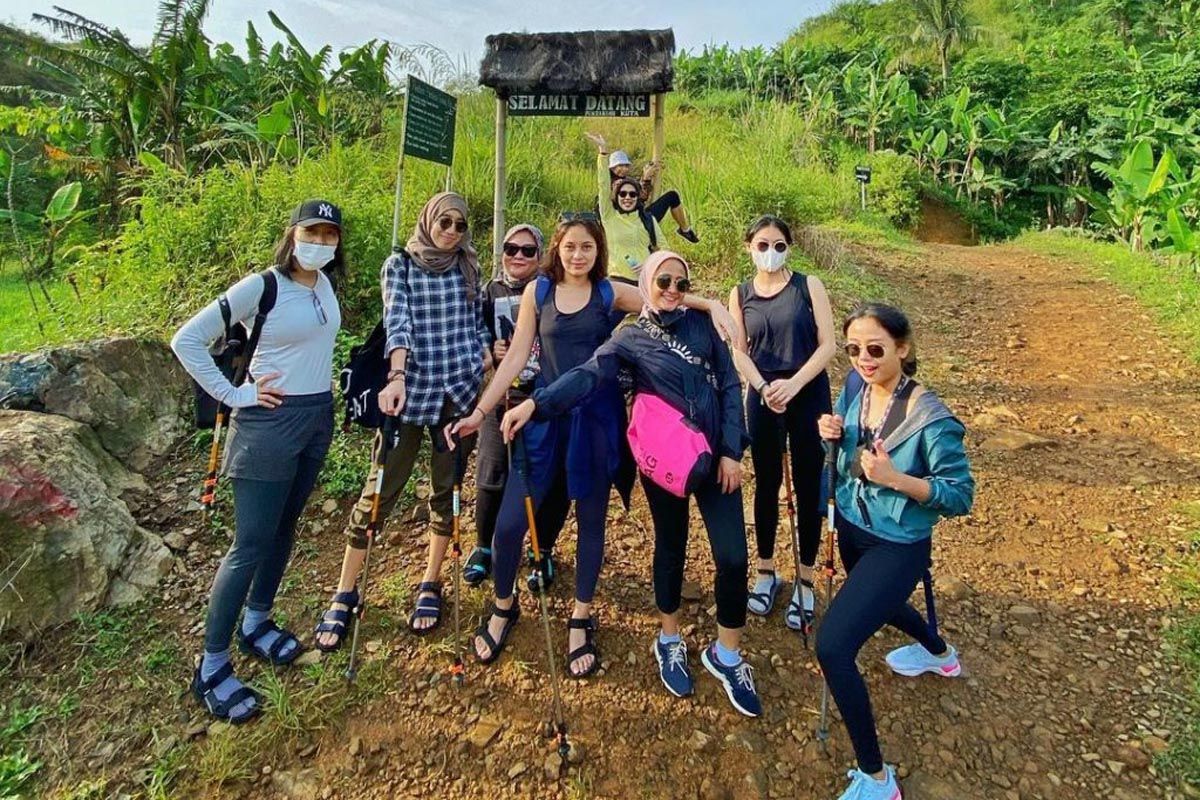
x=365, y=374
x=233, y=352
x=544, y=284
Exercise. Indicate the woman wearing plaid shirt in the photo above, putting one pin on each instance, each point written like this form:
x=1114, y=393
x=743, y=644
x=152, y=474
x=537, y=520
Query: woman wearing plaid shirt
x=437, y=346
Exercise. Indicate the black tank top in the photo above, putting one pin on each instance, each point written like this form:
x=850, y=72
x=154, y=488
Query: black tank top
x=781, y=330
x=568, y=340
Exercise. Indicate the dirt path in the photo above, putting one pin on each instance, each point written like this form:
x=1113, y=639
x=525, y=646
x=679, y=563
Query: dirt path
x=1083, y=436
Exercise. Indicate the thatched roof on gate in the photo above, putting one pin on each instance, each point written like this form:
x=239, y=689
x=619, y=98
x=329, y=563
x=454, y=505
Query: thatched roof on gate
x=579, y=62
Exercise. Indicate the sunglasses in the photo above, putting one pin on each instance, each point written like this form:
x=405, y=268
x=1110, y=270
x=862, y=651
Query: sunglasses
x=627, y=194
x=763, y=247
x=446, y=223
x=580, y=216
x=527, y=250
x=873, y=350
x=663, y=282
x=322, y=317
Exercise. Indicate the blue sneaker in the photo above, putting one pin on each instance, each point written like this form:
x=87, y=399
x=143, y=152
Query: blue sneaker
x=738, y=682
x=864, y=787
x=673, y=668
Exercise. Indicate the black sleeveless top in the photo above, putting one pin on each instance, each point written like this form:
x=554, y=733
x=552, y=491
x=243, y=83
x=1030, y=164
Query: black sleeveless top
x=781, y=330
x=568, y=340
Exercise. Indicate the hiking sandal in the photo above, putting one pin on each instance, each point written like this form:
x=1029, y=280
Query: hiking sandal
x=478, y=567
x=205, y=691
x=334, y=620
x=427, y=607
x=249, y=643
x=496, y=646
x=588, y=648
x=797, y=617
x=765, y=600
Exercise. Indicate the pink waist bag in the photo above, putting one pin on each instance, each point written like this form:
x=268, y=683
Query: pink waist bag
x=668, y=448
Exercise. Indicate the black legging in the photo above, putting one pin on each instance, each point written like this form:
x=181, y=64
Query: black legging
x=725, y=521
x=880, y=577
x=660, y=207
x=766, y=452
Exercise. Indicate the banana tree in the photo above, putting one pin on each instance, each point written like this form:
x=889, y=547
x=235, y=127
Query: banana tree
x=1131, y=205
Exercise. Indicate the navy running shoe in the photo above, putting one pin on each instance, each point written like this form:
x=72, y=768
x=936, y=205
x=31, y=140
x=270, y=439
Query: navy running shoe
x=673, y=667
x=737, y=680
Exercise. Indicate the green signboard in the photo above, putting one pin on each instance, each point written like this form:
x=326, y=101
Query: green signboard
x=548, y=104
x=429, y=115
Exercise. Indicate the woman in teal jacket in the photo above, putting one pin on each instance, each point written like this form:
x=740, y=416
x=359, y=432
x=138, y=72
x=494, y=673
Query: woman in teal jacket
x=901, y=466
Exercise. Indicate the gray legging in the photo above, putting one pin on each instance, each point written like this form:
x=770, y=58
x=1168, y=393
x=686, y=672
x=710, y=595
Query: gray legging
x=266, y=511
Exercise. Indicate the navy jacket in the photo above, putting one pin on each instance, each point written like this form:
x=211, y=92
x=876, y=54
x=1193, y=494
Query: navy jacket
x=712, y=399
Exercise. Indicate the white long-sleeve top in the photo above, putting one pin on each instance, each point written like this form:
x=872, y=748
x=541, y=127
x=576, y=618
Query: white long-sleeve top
x=294, y=342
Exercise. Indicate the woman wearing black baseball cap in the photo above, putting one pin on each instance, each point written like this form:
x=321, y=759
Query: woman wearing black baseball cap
x=281, y=430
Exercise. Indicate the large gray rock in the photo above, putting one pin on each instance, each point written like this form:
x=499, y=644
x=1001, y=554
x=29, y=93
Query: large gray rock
x=133, y=393
x=67, y=541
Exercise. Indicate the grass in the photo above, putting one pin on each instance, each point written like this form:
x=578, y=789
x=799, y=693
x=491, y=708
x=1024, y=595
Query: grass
x=1183, y=758
x=20, y=329
x=17, y=766
x=1170, y=290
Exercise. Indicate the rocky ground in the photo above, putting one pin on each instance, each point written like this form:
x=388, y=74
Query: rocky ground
x=1084, y=441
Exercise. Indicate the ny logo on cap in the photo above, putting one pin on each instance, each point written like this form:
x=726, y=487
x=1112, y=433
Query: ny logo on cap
x=325, y=210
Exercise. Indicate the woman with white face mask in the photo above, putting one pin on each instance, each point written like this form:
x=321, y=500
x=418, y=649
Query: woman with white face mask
x=786, y=340
x=281, y=431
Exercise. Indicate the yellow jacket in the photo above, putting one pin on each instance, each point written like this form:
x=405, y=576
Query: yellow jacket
x=628, y=241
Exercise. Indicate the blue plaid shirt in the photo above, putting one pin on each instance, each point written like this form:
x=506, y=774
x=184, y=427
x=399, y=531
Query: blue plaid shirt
x=428, y=315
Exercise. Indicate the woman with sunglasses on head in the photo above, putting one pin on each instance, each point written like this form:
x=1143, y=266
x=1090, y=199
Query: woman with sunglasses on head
x=786, y=328
x=900, y=467
x=632, y=232
x=281, y=429
x=678, y=361
x=569, y=313
x=522, y=251
x=437, y=350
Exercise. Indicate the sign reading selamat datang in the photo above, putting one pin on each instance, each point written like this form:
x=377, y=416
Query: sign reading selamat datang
x=544, y=104
x=429, y=122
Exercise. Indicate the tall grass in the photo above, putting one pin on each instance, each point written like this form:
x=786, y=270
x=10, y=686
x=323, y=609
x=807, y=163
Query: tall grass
x=191, y=236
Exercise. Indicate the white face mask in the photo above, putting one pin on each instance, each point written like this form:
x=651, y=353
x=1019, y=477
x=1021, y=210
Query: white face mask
x=312, y=256
x=770, y=260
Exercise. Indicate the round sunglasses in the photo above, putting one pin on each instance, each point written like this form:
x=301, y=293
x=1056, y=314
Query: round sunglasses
x=763, y=247
x=446, y=223
x=873, y=350
x=663, y=282
x=527, y=250
x=627, y=194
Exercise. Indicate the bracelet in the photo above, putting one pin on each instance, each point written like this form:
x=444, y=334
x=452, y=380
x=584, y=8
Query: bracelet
x=394, y=373
x=482, y=413
x=396, y=378
x=761, y=386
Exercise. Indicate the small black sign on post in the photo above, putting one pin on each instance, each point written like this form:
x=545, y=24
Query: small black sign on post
x=863, y=176
x=429, y=117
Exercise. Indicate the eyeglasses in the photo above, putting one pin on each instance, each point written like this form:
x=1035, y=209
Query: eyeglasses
x=446, y=223
x=322, y=317
x=578, y=216
x=763, y=247
x=627, y=194
x=663, y=282
x=527, y=250
x=873, y=350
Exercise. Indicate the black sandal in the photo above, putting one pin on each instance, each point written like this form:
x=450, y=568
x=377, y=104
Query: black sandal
x=427, y=607
x=588, y=648
x=248, y=643
x=205, y=692
x=496, y=646
x=334, y=620
x=765, y=599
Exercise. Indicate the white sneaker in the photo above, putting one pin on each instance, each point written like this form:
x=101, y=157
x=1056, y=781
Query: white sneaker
x=912, y=660
x=864, y=787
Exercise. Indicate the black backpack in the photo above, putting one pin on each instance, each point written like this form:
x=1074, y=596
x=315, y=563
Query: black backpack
x=233, y=352
x=365, y=374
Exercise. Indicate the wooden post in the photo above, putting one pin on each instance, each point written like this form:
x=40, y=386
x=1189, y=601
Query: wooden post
x=399, y=179
x=499, y=189
x=660, y=101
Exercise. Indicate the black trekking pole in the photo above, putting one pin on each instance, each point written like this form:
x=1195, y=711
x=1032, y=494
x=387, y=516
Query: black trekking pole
x=830, y=571
x=383, y=445
x=805, y=625
x=456, y=545
x=560, y=724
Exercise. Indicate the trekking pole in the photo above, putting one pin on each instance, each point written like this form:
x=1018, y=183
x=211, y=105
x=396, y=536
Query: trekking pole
x=208, y=490
x=456, y=545
x=560, y=724
x=805, y=625
x=383, y=445
x=830, y=571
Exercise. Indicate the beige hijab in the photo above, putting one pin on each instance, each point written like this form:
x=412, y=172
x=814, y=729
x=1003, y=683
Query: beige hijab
x=432, y=258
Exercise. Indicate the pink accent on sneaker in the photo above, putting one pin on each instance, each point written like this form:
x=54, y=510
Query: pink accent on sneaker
x=950, y=670
x=897, y=795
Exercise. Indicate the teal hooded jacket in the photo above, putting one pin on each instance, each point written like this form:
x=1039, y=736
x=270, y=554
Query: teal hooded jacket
x=927, y=444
